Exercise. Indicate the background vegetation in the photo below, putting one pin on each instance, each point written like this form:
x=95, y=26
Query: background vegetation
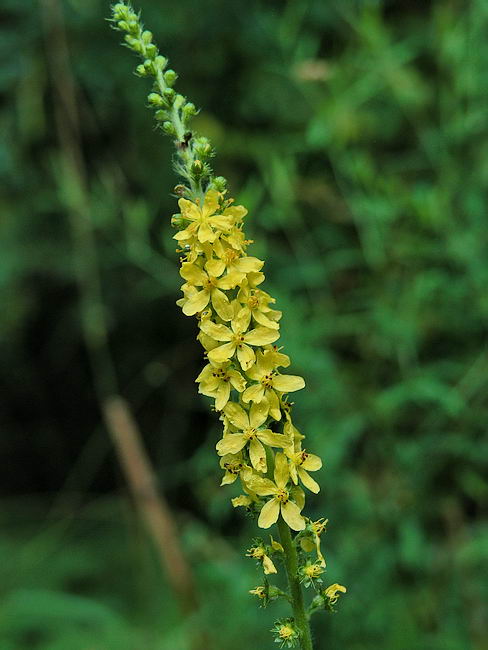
x=356, y=134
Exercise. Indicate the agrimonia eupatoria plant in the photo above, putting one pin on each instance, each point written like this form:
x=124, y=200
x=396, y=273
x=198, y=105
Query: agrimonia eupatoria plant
x=239, y=330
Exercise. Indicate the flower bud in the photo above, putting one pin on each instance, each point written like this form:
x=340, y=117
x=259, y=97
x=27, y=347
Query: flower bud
x=219, y=183
x=155, y=99
x=161, y=115
x=189, y=110
x=169, y=94
x=141, y=71
x=160, y=62
x=151, y=50
x=122, y=24
x=146, y=37
x=197, y=167
x=170, y=77
x=177, y=221
x=168, y=128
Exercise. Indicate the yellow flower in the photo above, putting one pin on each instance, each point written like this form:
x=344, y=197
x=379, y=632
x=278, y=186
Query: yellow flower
x=227, y=258
x=249, y=423
x=311, y=541
x=216, y=381
x=242, y=500
x=333, y=592
x=259, y=553
x=237, y=339
x=257, y=302
x=268, y=382
x=260, y=592
x=233, y=465
x=300, y=462
x=205, y=224
x=280, y=502
x=196, y=301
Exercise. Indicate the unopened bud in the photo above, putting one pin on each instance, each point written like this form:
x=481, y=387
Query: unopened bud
x=168, y=128
x=169, y=94
x=151, y=50
x=155, y=99
x=160, y=62
x=170, y=77
x=146, y=37
x=197, y=167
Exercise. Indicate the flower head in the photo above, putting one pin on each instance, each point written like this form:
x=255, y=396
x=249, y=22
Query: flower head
x=280, y=503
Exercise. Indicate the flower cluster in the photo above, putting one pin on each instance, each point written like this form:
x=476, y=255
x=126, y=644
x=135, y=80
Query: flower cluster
x=239, y=329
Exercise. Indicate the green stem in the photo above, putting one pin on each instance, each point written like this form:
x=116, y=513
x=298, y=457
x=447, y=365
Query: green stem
x=291, y=564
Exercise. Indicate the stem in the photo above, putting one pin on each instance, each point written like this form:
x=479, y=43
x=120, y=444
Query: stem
x=291, y=564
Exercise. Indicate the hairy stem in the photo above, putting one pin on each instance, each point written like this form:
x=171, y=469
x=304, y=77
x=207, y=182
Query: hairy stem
x=291, y=564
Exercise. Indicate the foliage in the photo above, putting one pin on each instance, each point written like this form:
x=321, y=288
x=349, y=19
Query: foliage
x=357, y=134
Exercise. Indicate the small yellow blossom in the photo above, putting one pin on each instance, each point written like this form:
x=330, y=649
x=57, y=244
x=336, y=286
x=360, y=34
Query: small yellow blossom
x=301, y=463
x=196, y=301
x=237, y=339
x=312, y=540
x=333, y=592
x=257, y=302
x=233, y=464
x=259, y=553
x=260, y=592
x=268, y=382
x=217, y=379
x=205, y=224
x=248, y=422
x=280, y=501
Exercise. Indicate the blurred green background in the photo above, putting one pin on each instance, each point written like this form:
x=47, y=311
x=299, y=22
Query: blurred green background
x=356, y=134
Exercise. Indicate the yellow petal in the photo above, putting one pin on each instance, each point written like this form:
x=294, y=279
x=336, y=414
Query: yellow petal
x=281, y=471
x=262, y=486
x=211, y=203
x=262, y=319
x=248, y=264
x=237, y=380
x=228, y=479
x=215, y=267
x=288, y=383
x=308, y=481
x=274, y=404
x=197, y=302
x=269, y=514
x=298, y=496
x=223, y=394
x=222, y=353
x=272, y=439
x=237, y=415
x=231, y=444
x=257, y=456
x=217, y=332
x=221, y=304
x=253, y=393
x=193, y=274
x=205, y=233
x=246, y=357
x=256, y=416
x=312, y=463
x=220, y=222
x=241, y=500
x=189, y=209
x=229, y=281
x=291, y=514
x=261, y=336
x=241, y=321
x=268, y=566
